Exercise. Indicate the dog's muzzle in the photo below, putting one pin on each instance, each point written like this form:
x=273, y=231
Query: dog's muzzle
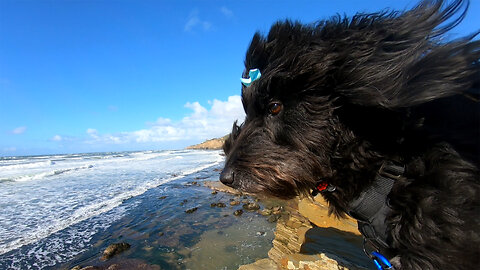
x=227, y=176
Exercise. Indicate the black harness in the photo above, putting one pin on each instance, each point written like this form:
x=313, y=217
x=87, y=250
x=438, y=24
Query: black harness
x=371, y=207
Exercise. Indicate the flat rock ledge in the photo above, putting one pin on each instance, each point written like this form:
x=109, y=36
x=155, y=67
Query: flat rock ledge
x=293, y=248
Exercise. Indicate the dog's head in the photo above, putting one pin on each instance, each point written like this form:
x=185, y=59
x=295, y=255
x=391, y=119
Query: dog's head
x=296, y=124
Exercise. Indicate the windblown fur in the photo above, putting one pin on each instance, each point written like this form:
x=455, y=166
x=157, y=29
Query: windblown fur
x=354, y=92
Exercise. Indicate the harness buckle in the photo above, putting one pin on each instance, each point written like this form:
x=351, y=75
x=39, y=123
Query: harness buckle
x=378, y=259
x=392, y=170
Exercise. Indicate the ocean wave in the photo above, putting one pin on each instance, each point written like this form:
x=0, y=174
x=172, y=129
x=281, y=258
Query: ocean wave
x=42, y=175
x=28, y=165
x=95, y=209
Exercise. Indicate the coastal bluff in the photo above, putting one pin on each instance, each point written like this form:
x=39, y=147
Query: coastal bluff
x=213, y=144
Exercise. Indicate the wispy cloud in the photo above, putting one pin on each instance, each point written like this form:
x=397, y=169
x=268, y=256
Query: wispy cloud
x=9, y=149
x=226, y=12
x=57, y=138
x=201, y=124
x=194, y=21
x=19, y=130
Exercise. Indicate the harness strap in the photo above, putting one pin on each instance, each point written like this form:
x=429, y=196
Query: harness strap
x=371, y=207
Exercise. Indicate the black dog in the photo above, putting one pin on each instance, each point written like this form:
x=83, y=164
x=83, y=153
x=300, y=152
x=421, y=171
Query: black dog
x=381, y=115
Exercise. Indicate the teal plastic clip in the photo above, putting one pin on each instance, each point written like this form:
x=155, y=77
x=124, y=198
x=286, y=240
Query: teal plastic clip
x=254, y=74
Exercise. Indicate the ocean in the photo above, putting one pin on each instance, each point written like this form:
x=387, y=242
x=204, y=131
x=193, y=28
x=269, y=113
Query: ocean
x=59, y=211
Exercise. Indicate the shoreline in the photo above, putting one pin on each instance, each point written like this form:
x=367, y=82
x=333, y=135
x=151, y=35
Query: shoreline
x=299, y=235
x=276, y=234
x=204, y=224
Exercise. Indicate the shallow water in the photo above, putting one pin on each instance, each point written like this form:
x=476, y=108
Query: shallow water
x=58, y=220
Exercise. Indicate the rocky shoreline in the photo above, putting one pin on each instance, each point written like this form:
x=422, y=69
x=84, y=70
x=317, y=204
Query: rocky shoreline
x=305, y=237
x=296, y=247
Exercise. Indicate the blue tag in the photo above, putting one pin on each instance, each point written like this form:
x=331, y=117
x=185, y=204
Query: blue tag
x=254, y=74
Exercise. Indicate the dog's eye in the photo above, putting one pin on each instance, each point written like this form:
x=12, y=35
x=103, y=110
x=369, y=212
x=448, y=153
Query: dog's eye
x=275, y=108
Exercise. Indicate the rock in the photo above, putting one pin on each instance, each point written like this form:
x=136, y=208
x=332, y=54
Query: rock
x=221, y=204
x=218, y=186
x=86, y=268
x=191, y=210
x=263, y=264
x=233, y=203
x=162, y=197
x=115, y=249
x=238, y=212
x=114, y=267
x=261, y=234
x=161, y=234
x=273, y=218
x=277, y=208
x=316, y=262
x=317, y=212
x=214, y=192
x=251, y=206
x=213, y=205
x=265, y=212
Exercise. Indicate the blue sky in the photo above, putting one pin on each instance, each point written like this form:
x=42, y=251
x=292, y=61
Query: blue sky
x=88, y=76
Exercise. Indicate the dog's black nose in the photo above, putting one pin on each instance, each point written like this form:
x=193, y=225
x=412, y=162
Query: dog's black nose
x=227, y=176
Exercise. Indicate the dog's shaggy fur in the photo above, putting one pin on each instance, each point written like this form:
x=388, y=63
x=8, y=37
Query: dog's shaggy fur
x=339, y=97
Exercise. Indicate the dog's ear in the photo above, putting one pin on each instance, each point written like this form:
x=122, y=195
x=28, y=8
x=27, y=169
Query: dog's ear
x=396, y=60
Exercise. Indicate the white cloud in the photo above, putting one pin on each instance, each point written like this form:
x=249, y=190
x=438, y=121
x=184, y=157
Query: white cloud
x=201, y=124
x=92, y=132
x=57, y=138
x=194, y=21
x=227, y=12
x=19, y=130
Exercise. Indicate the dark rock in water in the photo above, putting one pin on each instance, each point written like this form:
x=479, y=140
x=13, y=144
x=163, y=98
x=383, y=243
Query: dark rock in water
x=221, y=204
x=214, y=192
x=161, y=234
x=233, y=203
x=213, y=205
x=265, y=212
x=273, y=218
x=238, y=213
x=251, y=206
x=191, y=210
x=114, y=249
x=162, y=197
x=78, y=267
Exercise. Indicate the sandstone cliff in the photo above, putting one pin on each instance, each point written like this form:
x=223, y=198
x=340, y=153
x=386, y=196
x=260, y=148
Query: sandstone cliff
x=213, y=144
